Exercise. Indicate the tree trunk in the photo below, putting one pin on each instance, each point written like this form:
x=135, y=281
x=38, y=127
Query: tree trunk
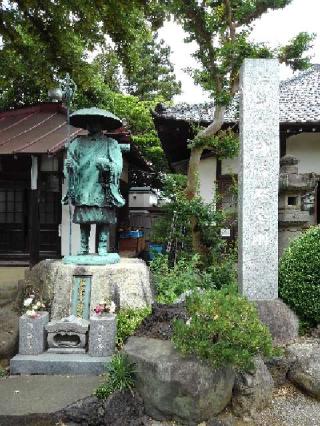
x=193, y=175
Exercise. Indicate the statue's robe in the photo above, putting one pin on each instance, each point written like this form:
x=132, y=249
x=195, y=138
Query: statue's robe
x=94, y=169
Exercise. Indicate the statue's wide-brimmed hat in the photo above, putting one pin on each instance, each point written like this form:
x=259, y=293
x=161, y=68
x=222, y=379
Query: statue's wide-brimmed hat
x=83, y=117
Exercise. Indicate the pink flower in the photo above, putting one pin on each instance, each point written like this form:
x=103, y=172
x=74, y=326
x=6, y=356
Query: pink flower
x=99, y=309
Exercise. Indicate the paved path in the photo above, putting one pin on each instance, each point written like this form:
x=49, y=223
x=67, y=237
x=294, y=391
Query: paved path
x=23, y=395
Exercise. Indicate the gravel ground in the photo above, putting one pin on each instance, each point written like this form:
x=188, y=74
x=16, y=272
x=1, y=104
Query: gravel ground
x=290, y=407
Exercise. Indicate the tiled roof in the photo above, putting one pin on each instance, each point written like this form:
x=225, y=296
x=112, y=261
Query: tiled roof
x=35, y=130
x=43, y=129
x=299, y=103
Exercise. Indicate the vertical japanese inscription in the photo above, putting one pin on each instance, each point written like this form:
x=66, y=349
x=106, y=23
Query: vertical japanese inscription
x=80, y=299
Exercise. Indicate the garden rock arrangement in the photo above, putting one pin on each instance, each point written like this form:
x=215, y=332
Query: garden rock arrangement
x=252, y=390
x=176, y=387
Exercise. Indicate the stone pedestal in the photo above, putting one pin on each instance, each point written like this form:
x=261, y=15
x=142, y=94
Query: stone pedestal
x=127, y=283
x=102, y=335
x=32, y=334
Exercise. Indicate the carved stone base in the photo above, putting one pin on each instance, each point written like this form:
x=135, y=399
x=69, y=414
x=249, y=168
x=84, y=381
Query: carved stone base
x=92, y=259
x=127, y=283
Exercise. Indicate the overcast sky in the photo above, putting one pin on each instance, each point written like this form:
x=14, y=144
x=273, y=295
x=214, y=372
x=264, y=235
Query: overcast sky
x=276, y=27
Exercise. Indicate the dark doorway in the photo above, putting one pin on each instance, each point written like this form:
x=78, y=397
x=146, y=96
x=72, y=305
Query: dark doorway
x=15, y=198
x=14, y=190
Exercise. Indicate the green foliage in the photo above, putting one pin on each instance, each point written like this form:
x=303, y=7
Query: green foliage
x=175, y=226
x=188, y=274
x=120, y=376
x=299, y=272
x=3, y=373
x=221, y=30
x=293, y=53
x=170, y=283
x=41, y=41
x=225, y=144
x=149, y=58
x=128, y=320
x=223, y=329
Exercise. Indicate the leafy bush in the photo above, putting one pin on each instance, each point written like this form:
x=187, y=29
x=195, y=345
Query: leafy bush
x=223, y=329
x=128, y=320
x=170, y=283
x=120, y=376
x=188, y=274
x=175, y=225
x=299, y=276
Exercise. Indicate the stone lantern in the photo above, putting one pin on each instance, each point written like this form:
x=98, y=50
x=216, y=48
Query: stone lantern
x=294, y=214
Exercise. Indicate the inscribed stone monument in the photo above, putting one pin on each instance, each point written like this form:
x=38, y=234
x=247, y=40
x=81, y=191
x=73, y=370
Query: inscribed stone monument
x=258, y=196
x=258, y=179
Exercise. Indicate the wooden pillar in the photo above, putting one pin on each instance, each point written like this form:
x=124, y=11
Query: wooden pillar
x=34, y=218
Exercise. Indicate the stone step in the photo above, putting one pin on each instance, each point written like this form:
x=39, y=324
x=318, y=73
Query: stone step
x=23, y=395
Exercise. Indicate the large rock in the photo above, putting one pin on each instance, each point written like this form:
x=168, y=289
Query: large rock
x=252, y=391
x=174, y=387
x=127, y=283
x=305, y=369
x=281, y=320
x=278, y=367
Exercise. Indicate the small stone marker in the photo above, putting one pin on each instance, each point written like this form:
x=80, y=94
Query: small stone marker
x=102, y=335
x=258, y=179
x=32, y=334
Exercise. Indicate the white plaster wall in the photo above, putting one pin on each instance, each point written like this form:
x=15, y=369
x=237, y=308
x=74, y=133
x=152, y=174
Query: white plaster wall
x=207, y=178
x=230, y=166
x=75, y=241
x=306, y=148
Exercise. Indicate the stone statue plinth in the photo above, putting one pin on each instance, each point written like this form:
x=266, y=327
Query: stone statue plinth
x=127, y=283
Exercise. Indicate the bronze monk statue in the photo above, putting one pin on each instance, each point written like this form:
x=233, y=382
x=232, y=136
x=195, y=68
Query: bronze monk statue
x=93, y=167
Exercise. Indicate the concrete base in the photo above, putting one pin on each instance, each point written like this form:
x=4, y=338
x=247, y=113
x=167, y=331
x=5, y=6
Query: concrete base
x=282, y=322
x=92, y=259
x=57, y=364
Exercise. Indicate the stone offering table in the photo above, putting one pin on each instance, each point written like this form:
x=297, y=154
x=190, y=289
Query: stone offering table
x=69, y=335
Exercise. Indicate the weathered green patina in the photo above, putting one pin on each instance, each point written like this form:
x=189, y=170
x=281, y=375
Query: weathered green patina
x=93, y=167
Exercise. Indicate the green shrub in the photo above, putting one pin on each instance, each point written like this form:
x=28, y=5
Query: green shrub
x=171, y=282
x=223, y=329
x=299, y=276
x=3, y=372
x=120, y=376
x=128, y=320
x=188, y=274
